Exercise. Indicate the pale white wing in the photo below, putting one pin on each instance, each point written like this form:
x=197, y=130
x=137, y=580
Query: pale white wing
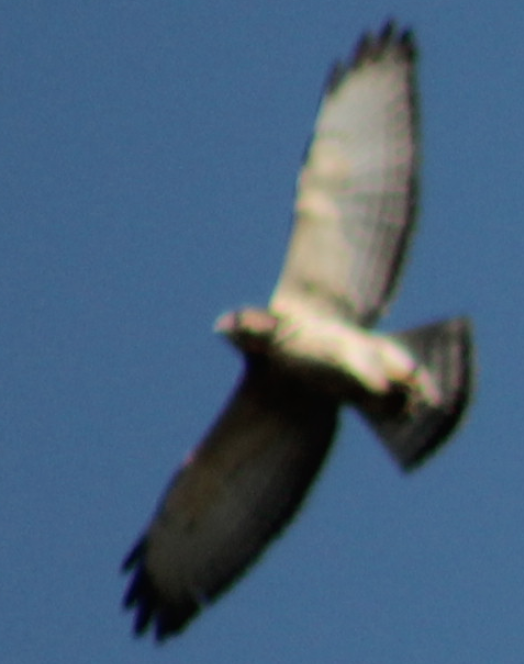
x=356, y=193
x=241, y=486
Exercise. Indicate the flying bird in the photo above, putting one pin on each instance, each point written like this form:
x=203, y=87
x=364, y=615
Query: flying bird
x=313, y=350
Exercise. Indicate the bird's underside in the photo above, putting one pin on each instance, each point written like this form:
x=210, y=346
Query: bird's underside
x=312, y=350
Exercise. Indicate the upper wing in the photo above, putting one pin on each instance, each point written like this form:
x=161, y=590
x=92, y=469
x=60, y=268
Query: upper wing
x=356, y=193
x=233, y=495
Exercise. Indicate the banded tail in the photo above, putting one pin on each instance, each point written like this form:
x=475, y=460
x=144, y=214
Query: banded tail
x=444, y=349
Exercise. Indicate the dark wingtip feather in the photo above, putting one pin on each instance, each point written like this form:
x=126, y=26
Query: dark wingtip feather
x=134, y=555
x=390, y=38
x=140, y=597
x=372, y=47
x=143, y=598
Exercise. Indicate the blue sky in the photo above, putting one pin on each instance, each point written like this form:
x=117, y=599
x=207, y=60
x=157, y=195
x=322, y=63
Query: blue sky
x=148, y=159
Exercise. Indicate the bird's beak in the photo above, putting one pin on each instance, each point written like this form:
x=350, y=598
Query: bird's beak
x=224, y=323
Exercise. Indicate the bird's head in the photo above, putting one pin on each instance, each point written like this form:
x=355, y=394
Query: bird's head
x=250, y=330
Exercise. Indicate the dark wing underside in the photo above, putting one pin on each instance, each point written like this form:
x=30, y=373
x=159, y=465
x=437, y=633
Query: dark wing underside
x=234, y=494
x=356, y=193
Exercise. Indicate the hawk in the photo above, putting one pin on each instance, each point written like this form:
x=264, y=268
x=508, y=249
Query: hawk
x=313, y=350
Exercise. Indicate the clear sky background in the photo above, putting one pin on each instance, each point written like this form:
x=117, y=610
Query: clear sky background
x=148, y=154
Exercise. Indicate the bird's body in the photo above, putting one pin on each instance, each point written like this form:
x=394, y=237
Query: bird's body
x=338, y=357
x=313, y=350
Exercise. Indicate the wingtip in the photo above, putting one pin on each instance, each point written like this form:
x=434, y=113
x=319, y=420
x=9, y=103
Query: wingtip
x=150, y=611
x=389, y=38
x=133, y=556
x=372, y=47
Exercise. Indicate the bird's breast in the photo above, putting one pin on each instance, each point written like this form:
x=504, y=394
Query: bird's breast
x=338, y=357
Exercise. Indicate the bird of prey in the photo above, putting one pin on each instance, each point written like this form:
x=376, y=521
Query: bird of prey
x=312, y=350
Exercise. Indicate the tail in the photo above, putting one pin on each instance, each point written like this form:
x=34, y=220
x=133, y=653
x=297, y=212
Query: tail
x=445, y=351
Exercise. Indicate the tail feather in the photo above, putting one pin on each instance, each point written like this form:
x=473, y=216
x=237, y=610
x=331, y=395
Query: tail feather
x=444, y=349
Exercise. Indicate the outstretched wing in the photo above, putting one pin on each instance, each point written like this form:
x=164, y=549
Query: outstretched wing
x=356, y=193
x=241, y=486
